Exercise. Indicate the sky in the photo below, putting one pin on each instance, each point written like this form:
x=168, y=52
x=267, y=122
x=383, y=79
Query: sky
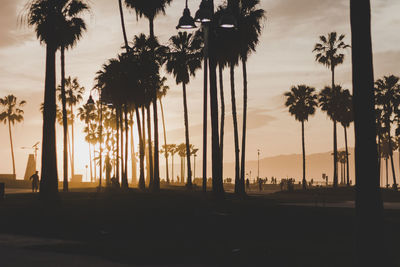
x=283, y=59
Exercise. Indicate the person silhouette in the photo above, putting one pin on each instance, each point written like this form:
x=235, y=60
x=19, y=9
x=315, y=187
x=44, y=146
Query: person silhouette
x=35, y=181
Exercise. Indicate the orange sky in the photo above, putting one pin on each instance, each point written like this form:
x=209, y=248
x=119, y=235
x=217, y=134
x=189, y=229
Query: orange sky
x=283, y=59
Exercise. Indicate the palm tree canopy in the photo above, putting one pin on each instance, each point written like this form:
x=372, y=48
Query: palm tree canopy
x=74, y=92
x=387, y=95
x=56, y=22
x=329, y=101
x=345, y=113
x=87, y=113
x=12, y=110
x=328, y=51
x=149, y=9
x=184, y=56
x=302, y=102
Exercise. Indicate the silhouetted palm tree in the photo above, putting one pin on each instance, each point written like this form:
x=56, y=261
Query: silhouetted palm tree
x=249, y=20
x=172, y=148
x=74, y=95
x=72, y=28
x=345, y=118
x=44, y=16
x=302, y=102
x=370, y=250
x=387, y=92
x=162, y=92
x=330, y=103
x=87, y=114
x=12, y=113
x=150, y=10
x=182, y=153
x=184, y=58
x=329, y=53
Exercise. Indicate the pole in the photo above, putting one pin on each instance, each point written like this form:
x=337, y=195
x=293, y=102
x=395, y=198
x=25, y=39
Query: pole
x=258, y=164
x=101, y=142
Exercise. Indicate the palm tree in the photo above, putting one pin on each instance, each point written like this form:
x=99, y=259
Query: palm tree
x=150, y=10
x=250, y=19
x=346, y=117
x=74, y=95
x=387, y=92
x=193, y=152
x=369, y=206
x=72, y=28
x=162, y=92
x=12, y=113
x=302, y=102
x=329, y=53
x=330, y=103
x=182, y=152
x=88, y=114
x=184, y=59
x=172, y=148
x=44, y=16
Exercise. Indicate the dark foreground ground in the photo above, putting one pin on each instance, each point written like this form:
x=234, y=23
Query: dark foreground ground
x=178, y=228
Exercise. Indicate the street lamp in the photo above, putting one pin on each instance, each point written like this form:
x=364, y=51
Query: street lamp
x=228, y=20
x=186, y=22
x=258, y=163
x=204, y=14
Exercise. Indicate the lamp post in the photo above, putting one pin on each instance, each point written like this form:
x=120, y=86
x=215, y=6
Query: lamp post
x=258, y=163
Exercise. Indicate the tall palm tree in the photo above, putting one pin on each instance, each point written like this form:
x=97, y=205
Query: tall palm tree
x=329, y=102
x=387, y=92
x=172, y=148
x=182, y=153
x=193, y=152
x=12, y=113
x=184, y=58
x=302, y=102
x=369, y=206
x=88, y=114
x=150, y=10
x=329, y=52
x=72, y=29
x=162, y=92
x=44, y=16
x=74, y=95
x=345, y=118
x=250, y=20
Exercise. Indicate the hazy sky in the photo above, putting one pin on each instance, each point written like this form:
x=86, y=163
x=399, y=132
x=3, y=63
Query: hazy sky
x=284, y=58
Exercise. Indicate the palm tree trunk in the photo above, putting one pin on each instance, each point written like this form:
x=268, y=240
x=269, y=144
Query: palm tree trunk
x=205, y=105
x=12, y=147
x=221, y=138
x=125, y=176
x=142, y=184
x=122, y=146
x=347, y=158
x=238, y=188
x=189, y=166
x=304, y=156
x=218, y=187
x=391, y=158
x=150, y=148
x=65, y=122
x=370, y=250
x=147, y=180
x=90, y=163
x=156, y=180
x=165, y=142
x=243, y=163
x=133, y=154
x=173, y=154
x=72, y=142
x=335, y=171
x=121, y=12
x=117, y=110
x=49, y=179
x=387, y=172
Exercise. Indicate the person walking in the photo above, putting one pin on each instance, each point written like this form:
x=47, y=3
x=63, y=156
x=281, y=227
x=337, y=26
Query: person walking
x=35, y=182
